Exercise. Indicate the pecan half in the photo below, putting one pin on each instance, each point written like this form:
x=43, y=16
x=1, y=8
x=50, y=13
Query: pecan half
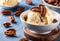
x=50, y=1
x=54, y=21
x=59, y=4
x=17, y=13
x=12, y=19
x=10, y=32
x=42, y=10
x=24, y=39
x=6, y=24
x=29, y=2
x=6, y=12
x=35, y=9
x=21, y=9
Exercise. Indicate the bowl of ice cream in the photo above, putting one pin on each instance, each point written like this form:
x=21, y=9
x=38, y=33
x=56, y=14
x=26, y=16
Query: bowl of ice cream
x=7, y=4
x=40, y=19
x=53, y=4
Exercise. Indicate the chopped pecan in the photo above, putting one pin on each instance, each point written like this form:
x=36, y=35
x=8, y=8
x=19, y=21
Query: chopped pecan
x=35, y=9
x=6, y=12
x=53, y=2
x=42, y=10
x=25, y=18
x=29, y=2
x=24, y=39
x=17, y=13
x=50, y=1
x=21, y=9
x=6, y=24
x=10, y=32
x=59, y=4
x=42, y=20
x=54, y=21
x=12, y=19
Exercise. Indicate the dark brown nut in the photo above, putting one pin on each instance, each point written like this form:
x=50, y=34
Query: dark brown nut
x=50, y=1
x=10, y=32
x=55, y=4
x=17, y=13
x=54, y=21
x=24, y=39
x=59, y=4
x=21, y=9
x=42, y=10
x=41, y=19
x=6, y=12
x=25, y=18
x=29, y=2
x=12, y=19
x=6, y=24
x=35, y=9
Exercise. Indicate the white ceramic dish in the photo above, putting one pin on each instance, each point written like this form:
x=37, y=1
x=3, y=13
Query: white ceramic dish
x=42, y=29
x=52, y=7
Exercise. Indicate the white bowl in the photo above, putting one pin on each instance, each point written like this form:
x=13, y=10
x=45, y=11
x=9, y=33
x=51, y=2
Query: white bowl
x=52, y=7
x=42, y=29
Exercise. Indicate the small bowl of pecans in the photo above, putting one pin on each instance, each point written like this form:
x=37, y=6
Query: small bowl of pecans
x=53, y=4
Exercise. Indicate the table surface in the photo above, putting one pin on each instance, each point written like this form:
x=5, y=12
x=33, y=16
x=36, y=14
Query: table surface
x=18, y=26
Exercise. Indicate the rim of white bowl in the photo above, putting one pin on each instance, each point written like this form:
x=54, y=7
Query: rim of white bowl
x=50, y=5
x=37, y=24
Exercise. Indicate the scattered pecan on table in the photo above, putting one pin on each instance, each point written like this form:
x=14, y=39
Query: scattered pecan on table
x=7, y=24
x=21, y=9
x=17, y=13
x=11, y=19
x=35, y=9
x=6, y=12
x=24, y=39
x=29, y=2
x=10, y=32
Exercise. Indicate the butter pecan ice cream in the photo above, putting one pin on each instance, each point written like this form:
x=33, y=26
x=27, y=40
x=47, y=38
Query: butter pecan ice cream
x=40, y=15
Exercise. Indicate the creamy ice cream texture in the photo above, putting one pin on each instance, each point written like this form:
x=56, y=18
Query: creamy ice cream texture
x=36, y=18
x=9, y=2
